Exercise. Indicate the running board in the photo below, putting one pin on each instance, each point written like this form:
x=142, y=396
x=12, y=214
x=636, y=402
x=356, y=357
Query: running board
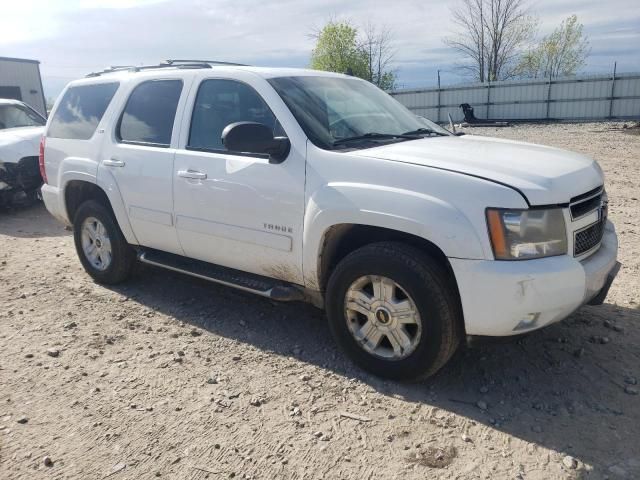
x=248, y=282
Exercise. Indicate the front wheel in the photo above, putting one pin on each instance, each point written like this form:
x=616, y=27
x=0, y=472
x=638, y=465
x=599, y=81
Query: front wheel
x=394, y=310
x=101, y=246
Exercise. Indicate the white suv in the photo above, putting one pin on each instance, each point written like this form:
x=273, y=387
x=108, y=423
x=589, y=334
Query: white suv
x=304, y=185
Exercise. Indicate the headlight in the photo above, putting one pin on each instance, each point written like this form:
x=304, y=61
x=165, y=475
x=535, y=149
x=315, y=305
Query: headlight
x=525, y=234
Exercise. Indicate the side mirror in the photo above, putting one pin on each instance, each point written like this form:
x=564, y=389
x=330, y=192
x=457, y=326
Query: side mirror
x=252, y=137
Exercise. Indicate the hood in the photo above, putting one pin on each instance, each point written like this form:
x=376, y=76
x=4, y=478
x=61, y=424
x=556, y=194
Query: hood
x=17, y=143
x=544, y=175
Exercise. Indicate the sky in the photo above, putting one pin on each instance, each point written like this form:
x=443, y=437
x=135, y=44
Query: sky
x=74, y=37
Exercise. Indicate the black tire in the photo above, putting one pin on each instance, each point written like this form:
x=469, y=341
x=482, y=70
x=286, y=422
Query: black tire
x=429, y=286
x=123, y=255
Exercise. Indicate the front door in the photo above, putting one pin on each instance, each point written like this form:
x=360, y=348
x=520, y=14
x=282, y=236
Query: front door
x=140, y=160
x=235, y=209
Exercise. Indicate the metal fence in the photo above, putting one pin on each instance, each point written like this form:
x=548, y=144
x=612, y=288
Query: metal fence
x=593, y=97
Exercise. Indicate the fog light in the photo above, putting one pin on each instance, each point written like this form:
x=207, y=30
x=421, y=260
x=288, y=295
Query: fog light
x=529, y=321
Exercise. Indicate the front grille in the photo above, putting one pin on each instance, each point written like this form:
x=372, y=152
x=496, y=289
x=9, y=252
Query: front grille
x=588, y=238
x=586, y=203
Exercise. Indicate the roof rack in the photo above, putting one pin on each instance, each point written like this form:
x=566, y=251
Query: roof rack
x=209, y=62
x=166, y=64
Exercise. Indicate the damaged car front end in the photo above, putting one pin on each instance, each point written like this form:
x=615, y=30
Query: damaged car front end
x=20, y=130
x=19, y=182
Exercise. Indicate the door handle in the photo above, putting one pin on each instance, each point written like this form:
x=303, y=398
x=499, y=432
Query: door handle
x=112, y=162
x=193, y=174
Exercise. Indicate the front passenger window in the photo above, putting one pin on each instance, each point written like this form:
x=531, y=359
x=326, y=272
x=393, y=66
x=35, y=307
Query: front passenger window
x=220, y=103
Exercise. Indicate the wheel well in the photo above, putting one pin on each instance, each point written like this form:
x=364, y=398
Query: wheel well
x=340, y=240
x=77, y=192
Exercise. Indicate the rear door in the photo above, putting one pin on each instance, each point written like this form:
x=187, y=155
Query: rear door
x=140, y=156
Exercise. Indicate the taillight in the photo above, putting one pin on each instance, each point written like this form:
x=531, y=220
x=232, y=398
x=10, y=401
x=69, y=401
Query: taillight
x=43, y=171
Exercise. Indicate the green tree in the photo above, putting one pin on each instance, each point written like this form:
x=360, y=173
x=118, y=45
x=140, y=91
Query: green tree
x=339, y=48
x=561, y=53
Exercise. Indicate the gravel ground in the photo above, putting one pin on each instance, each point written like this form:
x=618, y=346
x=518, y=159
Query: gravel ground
x=172, y=377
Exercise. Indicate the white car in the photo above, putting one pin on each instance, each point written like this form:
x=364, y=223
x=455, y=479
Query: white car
x=304, y=185
x=21, y=128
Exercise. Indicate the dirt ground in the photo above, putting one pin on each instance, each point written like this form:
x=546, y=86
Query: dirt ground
x=172, y=377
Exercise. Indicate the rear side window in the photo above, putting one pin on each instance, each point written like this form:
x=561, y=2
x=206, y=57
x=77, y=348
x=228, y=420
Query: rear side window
x=149, y=114
x=80, y=111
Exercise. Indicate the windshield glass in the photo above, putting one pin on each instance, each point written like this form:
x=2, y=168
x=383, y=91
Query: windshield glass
x=331, y=109
x=14, y=116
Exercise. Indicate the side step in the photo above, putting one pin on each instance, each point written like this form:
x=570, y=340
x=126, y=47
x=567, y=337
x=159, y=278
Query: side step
x=249, y=282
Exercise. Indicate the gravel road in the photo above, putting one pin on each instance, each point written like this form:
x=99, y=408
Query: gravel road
x=172, y=377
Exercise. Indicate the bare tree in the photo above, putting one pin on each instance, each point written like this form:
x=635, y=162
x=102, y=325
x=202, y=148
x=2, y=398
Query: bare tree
x=491, y=35
x=377, y=43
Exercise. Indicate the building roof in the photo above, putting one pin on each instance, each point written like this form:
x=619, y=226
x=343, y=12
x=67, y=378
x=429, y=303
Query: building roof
x=22, y=60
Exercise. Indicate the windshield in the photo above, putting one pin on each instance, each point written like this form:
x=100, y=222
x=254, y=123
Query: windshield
x=332, y=111
x=14, y=116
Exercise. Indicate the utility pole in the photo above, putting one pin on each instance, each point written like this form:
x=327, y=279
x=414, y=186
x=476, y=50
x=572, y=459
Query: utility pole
x=481, y=42
x=438, y=95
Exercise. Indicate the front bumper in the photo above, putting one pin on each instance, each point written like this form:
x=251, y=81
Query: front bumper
x=502, y=298
x=19, y=181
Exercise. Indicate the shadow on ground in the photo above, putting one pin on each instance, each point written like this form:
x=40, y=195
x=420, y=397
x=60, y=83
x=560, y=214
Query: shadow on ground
x=562, y=387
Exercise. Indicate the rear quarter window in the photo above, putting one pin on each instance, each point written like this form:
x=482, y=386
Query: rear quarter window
x=80, y=111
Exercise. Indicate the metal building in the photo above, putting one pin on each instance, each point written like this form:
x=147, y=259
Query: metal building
x=20, y=79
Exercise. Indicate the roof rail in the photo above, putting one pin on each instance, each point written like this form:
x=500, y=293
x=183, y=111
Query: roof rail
x=165, y=64
x=209, y=62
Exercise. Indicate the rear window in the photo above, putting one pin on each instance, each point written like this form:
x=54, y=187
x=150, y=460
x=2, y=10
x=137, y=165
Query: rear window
x=80, y=111
x=149, y=114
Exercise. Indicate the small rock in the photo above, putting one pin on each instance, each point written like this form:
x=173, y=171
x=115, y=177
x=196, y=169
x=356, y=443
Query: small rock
x=570, y=462
x=236, y=358
x=212, y=381
x=317, y=434
x=47, y=461
x=70, y=325
x=195, y=332
x=629, y=380
x=255, y=401
x=22, y=419
x=29, y=355
x=466, y=438
x=53, y=352
x=631, y=390
x=181, y=353
x=482, y=405
x=305, y=377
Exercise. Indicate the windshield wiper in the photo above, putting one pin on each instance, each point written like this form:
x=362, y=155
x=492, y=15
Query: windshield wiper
x=424, y=131
x=375, y=136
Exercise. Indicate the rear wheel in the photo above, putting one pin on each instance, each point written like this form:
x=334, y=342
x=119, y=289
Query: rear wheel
x=394, y=310
x=101, y=246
